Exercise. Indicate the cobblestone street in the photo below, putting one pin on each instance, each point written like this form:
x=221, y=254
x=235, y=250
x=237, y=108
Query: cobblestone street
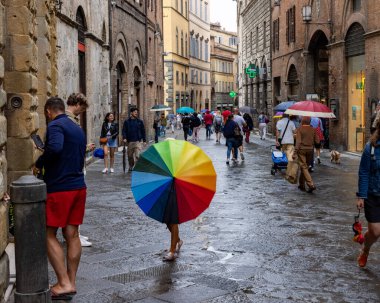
x=261, y=240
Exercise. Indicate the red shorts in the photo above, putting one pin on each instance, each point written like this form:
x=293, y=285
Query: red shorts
x=65, y=208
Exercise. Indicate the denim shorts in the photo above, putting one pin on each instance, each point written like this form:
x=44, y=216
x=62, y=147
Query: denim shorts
x=112, y=142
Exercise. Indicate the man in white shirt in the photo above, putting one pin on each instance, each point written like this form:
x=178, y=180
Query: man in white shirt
x=285, y=132
x=241, y=122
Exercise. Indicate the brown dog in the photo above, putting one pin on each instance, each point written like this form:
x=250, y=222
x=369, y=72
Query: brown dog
x=335, y=156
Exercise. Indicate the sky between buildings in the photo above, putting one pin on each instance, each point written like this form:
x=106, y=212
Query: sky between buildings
x=224, y=11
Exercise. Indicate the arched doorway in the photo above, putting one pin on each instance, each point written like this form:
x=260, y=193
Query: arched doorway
x=118, y=107
x=320, y=65
x=82, y=28
x=137, y=88
x=293, y=83
x=355, y=58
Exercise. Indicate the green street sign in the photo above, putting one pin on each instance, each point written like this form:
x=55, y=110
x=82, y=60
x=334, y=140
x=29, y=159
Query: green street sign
x=251, y=71
x=232, y=94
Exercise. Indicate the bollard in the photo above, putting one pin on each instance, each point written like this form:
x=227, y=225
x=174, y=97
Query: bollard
x=32, y=283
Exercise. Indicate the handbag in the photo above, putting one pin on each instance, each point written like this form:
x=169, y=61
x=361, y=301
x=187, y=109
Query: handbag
x=292, y=172
x=103, y=140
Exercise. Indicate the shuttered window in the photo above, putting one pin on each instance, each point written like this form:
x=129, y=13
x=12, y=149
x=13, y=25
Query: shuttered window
x=355, y=44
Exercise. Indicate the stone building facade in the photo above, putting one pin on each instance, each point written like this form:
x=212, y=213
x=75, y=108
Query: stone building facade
x=327, y=51
x=83, y=59
x=200, y=78
x=28, y=74
x=224, y=59
x=176, y=52
x=136, y=37
x=254, y=26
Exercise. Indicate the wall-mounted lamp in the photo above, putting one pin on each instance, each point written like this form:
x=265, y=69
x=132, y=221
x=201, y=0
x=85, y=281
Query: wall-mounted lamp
x=58, y=5
x=306, y=13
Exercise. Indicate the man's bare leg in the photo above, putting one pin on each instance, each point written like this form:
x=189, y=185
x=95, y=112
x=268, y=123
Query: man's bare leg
x=74, y=251
x=57, y=260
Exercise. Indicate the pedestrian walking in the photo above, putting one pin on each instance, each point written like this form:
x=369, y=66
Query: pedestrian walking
x=77, y=104
x=368, y=195
x=164, y=123
x=247, y=129
x=179, y=121
x=239, y=138
x=218, y=125
x=263, y=121
x=305, y=140
x=63, y=162
x=316, y=123
x=134, y=136
x=195, y=126
x=230, y=130
x=208, y=119
x=172, y=121
x=186, y=123
x=110, y=131
x=285, y=136
x=156, y=127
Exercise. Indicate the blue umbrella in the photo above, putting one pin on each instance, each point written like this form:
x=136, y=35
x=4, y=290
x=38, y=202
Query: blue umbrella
x=283, y=106
x=185, y=110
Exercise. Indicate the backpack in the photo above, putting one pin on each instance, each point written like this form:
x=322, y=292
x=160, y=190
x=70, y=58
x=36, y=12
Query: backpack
x=218, y=120
x=237, y=131
x=196, y=121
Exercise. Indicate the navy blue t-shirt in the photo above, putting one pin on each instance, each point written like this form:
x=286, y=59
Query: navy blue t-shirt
x=63, y=157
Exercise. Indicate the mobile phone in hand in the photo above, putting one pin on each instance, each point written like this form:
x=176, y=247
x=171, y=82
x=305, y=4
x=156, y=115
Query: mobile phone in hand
x=37, y=141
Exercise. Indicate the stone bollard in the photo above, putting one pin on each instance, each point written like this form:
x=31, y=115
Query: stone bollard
x=32, y=283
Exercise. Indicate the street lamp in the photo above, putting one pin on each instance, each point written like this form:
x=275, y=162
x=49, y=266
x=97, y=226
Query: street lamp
x=306, y=13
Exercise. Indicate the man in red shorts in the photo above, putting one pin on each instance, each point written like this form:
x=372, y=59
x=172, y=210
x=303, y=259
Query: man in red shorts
x=62, y=163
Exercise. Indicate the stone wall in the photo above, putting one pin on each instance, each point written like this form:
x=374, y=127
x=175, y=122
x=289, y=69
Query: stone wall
x=4, y=265
x=97, y=59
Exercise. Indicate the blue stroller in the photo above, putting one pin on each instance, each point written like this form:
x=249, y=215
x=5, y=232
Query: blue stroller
x=279, y=160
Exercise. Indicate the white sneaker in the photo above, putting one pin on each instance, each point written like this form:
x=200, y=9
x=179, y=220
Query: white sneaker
x=104, y=171
x=84, y=243
x=83, y=237
x=112, y=170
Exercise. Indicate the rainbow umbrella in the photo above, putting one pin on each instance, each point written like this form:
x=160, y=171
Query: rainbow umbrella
x=173, y=181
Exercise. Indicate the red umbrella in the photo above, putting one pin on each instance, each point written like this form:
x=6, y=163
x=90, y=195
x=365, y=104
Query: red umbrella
x=310, y=109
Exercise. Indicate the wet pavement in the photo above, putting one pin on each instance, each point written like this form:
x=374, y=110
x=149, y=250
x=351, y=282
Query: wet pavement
x=261, y=240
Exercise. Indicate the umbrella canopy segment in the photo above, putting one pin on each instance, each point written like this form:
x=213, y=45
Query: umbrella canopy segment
x=278, y=115
x=248, y=110
x=160, y=107
x=173, y=181
x=185, y=110
x=311, y=109
x=283, y=106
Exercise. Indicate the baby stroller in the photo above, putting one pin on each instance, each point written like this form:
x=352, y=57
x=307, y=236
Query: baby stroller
x=279, y=160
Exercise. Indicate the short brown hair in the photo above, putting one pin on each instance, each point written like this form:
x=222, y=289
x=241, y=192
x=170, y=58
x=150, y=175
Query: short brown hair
x=77, y=98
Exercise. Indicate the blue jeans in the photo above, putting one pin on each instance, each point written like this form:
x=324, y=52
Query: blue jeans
x=208, y=131
x=231, y=143
x=163, y=130
x=156, y=134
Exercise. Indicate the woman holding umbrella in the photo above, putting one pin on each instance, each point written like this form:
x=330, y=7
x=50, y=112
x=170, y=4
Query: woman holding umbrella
x=173, y=182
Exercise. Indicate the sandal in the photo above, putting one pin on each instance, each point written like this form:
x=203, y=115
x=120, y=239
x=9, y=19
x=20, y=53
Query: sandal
x=169, y=257
x=362, y=259
x=179, y=245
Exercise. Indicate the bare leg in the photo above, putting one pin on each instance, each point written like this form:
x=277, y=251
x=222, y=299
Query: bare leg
x=74, y=251
x=56, y=257
x=105, y=148
x=112, y=156
x=371, y=235
x=174, y=231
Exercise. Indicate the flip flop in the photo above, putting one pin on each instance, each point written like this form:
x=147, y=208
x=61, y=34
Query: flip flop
x=64, y=296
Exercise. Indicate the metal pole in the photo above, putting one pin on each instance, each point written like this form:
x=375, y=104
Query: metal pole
x=32, y=284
